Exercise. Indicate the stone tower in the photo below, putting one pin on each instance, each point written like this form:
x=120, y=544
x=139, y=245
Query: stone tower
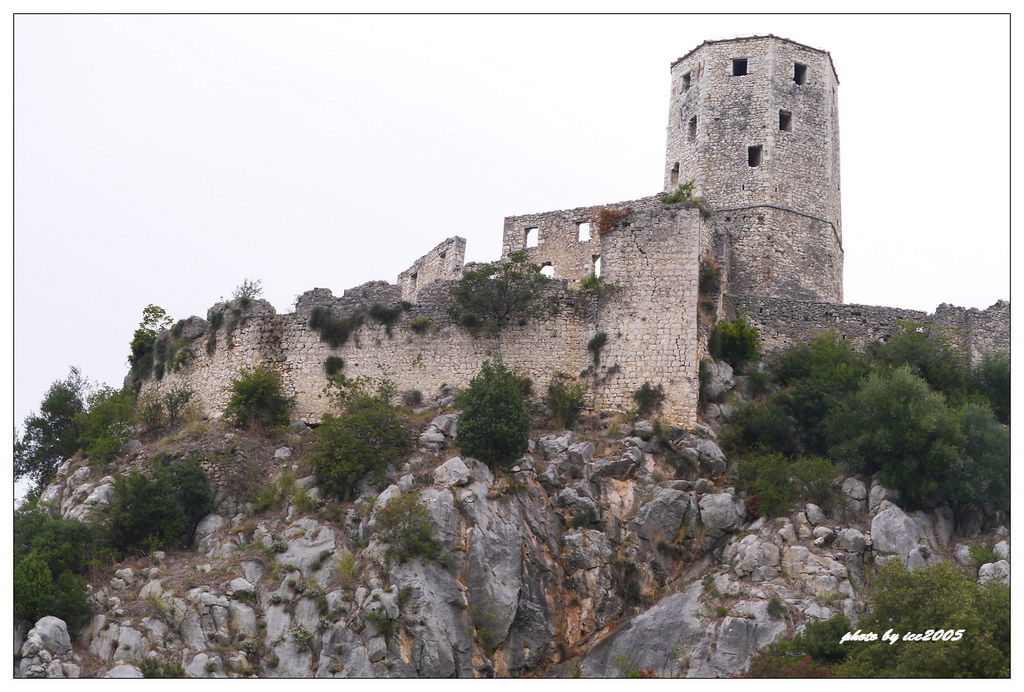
x=754, y=122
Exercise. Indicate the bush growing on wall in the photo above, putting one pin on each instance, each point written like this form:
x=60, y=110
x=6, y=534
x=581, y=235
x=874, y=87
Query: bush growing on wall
x=648, y=399
x=565, y=399
x=499, y=294
x=257, y=399
x=494, y=426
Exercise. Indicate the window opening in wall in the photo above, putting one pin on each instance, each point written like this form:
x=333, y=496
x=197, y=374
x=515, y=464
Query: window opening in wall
x=739, y=67
x=785, y=120
x=799, y=73
x=596, y=259
x=548, y=270
x=583, y=231
x=532, y=236
x=675, y=174
x=686, y=80
x=754, y=156
x=442, y=255
x=693, y=128
x=412, y=281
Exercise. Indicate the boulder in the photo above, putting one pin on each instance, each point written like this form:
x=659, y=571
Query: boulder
x=721, y=513
x=452, y=472
x=1002, y=549
x=850, y=540
x=892, y=531
x=719, y=380
x=998, y=572
x=283, y=453
x=856, y=492
x=447, y=424
x=753, y=558
x=586, y=549
x=814, y=514
x=124, y=670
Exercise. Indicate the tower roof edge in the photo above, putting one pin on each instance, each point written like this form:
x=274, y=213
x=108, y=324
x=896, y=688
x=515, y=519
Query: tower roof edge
x=751, y=38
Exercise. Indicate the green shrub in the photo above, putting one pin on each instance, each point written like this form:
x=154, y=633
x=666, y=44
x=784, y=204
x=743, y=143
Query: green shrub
x=991, y=379
x=812, y=653
x=648, y=399
x=248, y=290
x=498, y=294
x=762, y=425
x=149, y=411
x=155, y=668
x=141, y=356
x=595, y=285
x=51, y=436
x=776, y=608
x=494, y=426
x=412, y=398
x=175, y=401
x=709, y=277
x=930, y=351
x=162, y=508
x=565, y=399
x=386, y=315
x=363, y=441
x=333, y=365
x=37, y=594
x=421, y=325
x=216, y=320
x=333, y=330
x=735, y=342
x=981, y=475
x=404, y=525
x=899, y=427
x=66, y=545
x=983, y=553
x=595, y=345
x=257, y=399
x=768, y=479
x=816, y=477
x=938, y=597
x=683, y=193
x=104, y=428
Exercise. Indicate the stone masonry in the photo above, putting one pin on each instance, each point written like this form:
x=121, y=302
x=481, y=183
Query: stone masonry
x=754, y=123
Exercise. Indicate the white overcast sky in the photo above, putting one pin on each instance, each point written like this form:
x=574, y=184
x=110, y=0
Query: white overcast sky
x=162, y=159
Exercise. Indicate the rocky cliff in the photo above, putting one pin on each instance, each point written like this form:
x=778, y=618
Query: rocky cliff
x=605, y=552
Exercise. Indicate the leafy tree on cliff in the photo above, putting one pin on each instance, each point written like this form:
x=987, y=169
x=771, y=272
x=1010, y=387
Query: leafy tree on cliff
x=494, y=425
x=51, y=435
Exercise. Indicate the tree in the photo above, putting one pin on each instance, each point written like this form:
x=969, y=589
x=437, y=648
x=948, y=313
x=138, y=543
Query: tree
x=991, y=379
x=494, y=426
x=140, y=358
x=51, y=435
x=981, y=476
x=897, y=425
x=735, y=342
x=498, y=294
x=363, y=441
x=105, y=426
x=930, y=352
x=257, y=399
x=940, y=598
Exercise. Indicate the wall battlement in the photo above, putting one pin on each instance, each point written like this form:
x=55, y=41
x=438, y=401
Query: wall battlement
x=754, y=123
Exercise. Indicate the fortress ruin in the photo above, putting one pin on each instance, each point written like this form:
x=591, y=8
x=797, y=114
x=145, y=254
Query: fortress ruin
x=753, y=122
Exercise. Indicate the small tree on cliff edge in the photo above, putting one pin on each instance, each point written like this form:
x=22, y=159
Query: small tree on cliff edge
x=494, y=426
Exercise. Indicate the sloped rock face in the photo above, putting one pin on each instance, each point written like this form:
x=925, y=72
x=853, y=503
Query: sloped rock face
x=587, y=557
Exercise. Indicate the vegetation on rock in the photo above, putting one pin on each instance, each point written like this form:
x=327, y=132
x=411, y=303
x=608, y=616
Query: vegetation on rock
x=494, y=426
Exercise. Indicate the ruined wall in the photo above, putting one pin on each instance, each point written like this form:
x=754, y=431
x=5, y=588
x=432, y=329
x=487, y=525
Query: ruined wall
x=558, y=243
x=782, y=322
x=650, y=322
x=443, y=263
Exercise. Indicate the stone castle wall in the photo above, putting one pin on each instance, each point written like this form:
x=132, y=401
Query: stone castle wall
x=782, y=322
x=650, y=322
x=443, y=263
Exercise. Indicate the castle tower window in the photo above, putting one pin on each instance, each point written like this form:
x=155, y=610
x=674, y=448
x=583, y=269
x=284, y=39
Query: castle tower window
x=596, y=259
x=686, y=81
x=583, y=232
x=754, y=156
x=441, y=256
x=532, y=236
x=739, y=67
x=675, y=174
x=799, y=73
x=548, y=270
x=785, y=121
x=412, y=280
x=692, y=130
